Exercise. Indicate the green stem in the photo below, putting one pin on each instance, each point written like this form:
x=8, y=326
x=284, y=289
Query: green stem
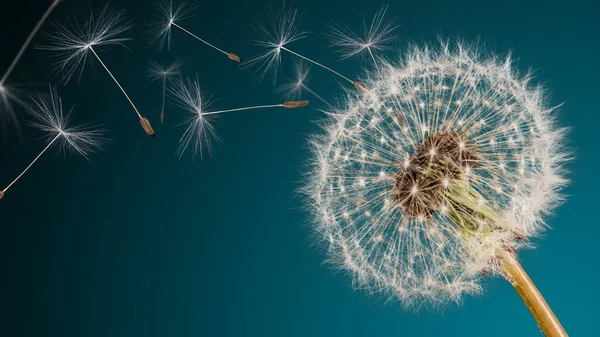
x=469, y=211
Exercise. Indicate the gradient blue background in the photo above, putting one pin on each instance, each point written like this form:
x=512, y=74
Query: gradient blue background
x=139, y=243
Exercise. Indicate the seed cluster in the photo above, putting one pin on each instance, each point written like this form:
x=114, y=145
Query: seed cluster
x=442, y=157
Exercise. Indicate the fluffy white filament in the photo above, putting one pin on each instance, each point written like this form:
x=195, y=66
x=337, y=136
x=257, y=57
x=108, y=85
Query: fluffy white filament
x=427, y=261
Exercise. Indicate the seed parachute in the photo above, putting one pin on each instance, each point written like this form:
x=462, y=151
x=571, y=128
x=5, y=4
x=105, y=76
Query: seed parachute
x=49, y=117
x=157, y=71
x=169, y=14
x=199, y=132
x=73, y=46
x=283, y=30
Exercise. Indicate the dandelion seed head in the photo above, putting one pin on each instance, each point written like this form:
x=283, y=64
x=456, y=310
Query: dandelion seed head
x=424, y=258
x=48, y=116
x=73, y=43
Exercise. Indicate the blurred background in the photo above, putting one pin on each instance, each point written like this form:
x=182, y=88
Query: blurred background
x=139, y=243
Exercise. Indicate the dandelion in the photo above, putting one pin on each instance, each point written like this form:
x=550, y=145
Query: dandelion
x=420, y=209
x=7, y=94
x=75, y=43
x=49, y=117
x=199, y=133
x=284, y=29
x=169, y=14
x=157, y=71
x=293, y=89
x=376, y=37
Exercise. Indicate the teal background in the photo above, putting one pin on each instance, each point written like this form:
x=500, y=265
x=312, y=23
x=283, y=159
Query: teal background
x=139, y=243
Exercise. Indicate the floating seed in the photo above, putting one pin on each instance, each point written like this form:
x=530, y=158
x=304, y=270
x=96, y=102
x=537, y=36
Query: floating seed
x=234, y=57
x=147, y=127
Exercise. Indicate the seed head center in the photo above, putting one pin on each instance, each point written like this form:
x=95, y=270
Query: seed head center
x=420, y=184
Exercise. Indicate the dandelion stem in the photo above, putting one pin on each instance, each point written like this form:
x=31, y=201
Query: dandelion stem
x=315, y=94
x=516, y=275
x=199, y=39
x=317, y=63
x=471, y=210
x=162, y=109
x=117, y=82
x=33, y=162
x=28, y=41
x=246, y=108
x=373, y=58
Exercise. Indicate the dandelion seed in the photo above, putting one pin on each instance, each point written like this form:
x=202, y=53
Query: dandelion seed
x=376, y=37
x=157, y=71
x=7, y=94
x=451, y=192
x=74, y=44
x=147, y=126
x=284, y=29
x=165, y=14
x=199, y=133
x=48, y=116
x=294, y=104
x=294, y=88
x=360, y=86
x=169, y=14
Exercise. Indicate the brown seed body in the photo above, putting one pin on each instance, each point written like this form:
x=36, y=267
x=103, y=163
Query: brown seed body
x=294, y=104
x=1, y=194
x=234, y=57
x=360, y=86
x=442, y=157
x=147, y=127
x=401, y=118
